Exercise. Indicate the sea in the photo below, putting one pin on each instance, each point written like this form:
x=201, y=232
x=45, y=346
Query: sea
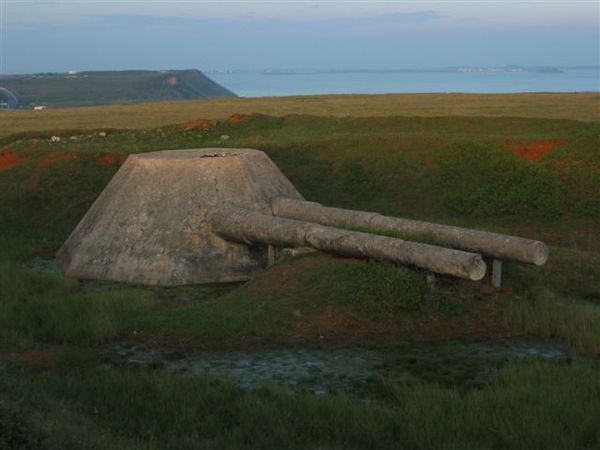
x=261, y=83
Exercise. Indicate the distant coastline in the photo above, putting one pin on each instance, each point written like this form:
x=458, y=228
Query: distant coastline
x=467, y=79
x=453, y=69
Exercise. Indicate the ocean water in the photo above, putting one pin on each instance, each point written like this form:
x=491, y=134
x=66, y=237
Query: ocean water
x=269, y=83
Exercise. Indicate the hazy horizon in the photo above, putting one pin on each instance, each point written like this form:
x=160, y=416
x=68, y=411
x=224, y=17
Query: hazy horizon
x=58, y=36
x=321, y=70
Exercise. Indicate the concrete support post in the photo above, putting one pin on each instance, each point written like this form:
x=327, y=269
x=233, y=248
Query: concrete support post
x=497, y=273
x=271, y=255
x=430, y=280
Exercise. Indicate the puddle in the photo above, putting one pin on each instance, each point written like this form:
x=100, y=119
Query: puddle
x=321, y=371
x=43, y=265
x=318, y=371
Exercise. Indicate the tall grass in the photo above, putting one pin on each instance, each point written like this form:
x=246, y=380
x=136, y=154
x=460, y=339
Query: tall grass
x=542, y=313
x=533, y=405
x=47, y=308
x=536, y=308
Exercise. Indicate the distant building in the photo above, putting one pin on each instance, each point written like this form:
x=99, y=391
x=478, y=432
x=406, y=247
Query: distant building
x=39, y=107
x=72, y=72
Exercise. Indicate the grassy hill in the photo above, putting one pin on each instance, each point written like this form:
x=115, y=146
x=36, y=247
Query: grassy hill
x=58, y=90
x=534, y=177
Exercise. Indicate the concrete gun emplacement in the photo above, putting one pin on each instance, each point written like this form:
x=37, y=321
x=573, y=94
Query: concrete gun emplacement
x=217, y=215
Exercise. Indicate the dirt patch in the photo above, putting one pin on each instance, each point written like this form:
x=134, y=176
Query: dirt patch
x=110, y=158
x=334, y=322
x=42, y=359
x=104, y=159
x=281, y=278
x=337, y=325
x=161, y=338
x=47, y=162
x=536, y=149
x=197, y=124
x=235, y=118
x=485, y=319
x=8, y=159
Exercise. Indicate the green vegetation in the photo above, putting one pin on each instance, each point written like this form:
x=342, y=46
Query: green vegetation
x=381, y=288
x=538, y=310
x=61, y=90
x=541, y=313
x=498, y=183
x=44, y=307
x=580, y=106
x=578, y=161
x=393, y=165
x=58, y=389
x=529, y=406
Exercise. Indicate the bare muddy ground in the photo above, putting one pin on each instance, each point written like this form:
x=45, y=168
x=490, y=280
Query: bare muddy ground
x=456, y=362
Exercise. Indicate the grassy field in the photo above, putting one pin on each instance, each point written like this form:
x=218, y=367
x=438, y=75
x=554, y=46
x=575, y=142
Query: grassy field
x=584, y=107
x=535, y=177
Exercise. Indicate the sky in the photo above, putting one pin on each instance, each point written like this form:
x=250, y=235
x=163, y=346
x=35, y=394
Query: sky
x=57, y=36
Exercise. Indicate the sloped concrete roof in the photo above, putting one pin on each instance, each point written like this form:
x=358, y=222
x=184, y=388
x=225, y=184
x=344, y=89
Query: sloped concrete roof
x=149, y=225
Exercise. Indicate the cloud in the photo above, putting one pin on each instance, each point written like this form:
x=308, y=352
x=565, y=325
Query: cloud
x=466, y=20
x=254, y=23
x=38, y=3
x=398, y=18
x=258, y=25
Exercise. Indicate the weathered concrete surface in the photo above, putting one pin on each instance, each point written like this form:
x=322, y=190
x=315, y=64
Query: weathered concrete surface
x=248, y=226
x=500, y=246
x=149, y=224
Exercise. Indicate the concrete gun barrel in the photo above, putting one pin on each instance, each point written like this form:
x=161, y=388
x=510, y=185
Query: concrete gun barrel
x=499, y=246
x=247, y=226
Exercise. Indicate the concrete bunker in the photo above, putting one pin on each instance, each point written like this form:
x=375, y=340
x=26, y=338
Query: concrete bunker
x=216, y=215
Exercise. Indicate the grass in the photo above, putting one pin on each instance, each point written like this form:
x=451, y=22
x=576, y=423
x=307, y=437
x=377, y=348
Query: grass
x=543, y=313
x=44, y=307
x=445, y=169
x=532, y=405
x=499, y=183
x=583, y=106
x=539, y=308
x=383, y=292
x=49, y=308
x=392, y=165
